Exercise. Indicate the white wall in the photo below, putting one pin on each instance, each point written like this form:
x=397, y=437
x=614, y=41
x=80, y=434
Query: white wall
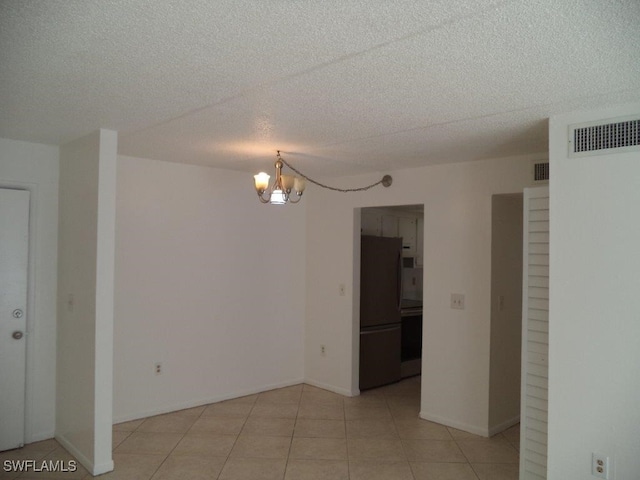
x=457, y=259
x=209, y=282
x=594, y=324
x=35, y=167
x=85, y=298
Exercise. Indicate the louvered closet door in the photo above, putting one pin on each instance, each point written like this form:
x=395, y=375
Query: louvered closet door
x=535, y=335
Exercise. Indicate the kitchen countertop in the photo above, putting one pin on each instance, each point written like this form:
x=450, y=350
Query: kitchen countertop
x=407, y=303
x=411, y=307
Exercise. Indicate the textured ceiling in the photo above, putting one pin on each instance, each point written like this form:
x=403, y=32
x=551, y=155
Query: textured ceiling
x=340, y=86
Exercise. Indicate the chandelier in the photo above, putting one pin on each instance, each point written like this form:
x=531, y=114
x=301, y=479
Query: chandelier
x=289, y=188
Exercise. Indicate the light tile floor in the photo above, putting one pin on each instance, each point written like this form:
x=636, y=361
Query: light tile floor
x=297, y=433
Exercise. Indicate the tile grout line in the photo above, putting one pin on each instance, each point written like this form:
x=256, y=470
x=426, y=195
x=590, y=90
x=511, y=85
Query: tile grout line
x=395, y=426
x=465, y=456
x=346, y=436
x=295, y=422
x=237, y=435
x=178, y=443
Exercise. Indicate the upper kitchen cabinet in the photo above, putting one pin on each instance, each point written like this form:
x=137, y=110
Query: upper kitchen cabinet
x=371, y=223
x=407, y=230
x=378, y=224
x=390, y=226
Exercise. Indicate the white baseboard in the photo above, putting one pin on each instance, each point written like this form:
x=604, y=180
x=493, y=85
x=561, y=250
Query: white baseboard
x=332, y=388
x=504, y=425
x=476, y=430
x=229, y=396
x=203, y=401
x=94, y=469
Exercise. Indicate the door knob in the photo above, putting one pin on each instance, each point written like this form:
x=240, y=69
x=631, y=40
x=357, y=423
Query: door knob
x=17, y=313
x=17, y=335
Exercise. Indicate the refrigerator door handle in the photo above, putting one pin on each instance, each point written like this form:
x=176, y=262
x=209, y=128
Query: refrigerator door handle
x=399, y=281
x=380, y=330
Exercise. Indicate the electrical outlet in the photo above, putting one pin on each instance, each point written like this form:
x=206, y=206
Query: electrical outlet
x=157, y=368
x=600, y=465
x=323, y=350
x=457, y=301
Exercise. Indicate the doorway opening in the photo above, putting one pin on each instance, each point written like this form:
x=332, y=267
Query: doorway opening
x=391, y=292
x=506, y=311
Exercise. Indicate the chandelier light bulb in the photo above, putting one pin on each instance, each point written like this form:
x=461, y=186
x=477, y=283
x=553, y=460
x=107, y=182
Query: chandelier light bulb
x=262, y=181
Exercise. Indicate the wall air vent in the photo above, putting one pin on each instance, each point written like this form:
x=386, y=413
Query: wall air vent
x=603, y=137
x=540, y=171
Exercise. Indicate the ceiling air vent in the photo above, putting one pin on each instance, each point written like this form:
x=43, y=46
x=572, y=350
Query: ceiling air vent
x=540, y=171
x=603, y=137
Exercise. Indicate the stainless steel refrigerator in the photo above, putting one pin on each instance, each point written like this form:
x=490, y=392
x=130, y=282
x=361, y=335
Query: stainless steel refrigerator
x=380, y=302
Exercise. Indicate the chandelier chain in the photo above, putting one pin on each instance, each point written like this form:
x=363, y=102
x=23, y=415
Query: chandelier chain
x=328, y=187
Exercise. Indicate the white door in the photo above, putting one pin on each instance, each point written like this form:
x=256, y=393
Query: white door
x=535, y=335
x=14, y=242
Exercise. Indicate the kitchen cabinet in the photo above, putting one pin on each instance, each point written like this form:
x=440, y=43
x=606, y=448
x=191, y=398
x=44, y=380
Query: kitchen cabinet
x=371, y=224
x=407, y=230
x=389, y=226
x=378, y=224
